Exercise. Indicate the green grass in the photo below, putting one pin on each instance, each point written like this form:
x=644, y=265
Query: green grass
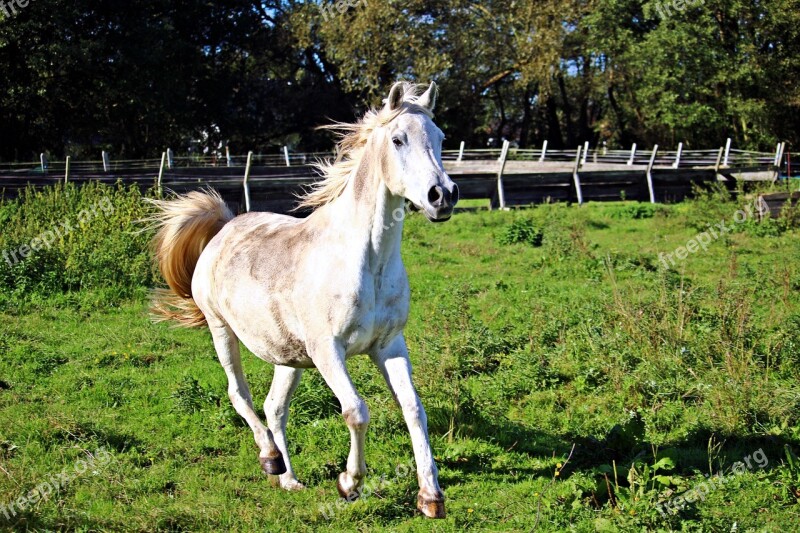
x=576, y=339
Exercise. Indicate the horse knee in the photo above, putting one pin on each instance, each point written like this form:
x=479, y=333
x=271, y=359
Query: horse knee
x=274, y=411
x=357, y=417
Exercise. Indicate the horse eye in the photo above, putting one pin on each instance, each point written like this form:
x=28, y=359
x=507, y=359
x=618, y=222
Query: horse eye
x=398, y=142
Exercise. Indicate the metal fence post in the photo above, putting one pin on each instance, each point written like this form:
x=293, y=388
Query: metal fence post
x=719, y=159
x=161, y=172
x=727, y=152
x=633, y=154
x=245, y=182
x=501, y=194
x=576, y=178
x=677, y=162
x=650, y=187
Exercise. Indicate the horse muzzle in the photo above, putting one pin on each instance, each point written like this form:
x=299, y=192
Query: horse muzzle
x=441, y=201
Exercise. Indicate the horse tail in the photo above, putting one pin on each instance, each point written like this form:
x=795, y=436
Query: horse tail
x=184, y=226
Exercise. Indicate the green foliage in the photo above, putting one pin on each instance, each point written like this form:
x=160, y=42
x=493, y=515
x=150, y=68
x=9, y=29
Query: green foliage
x=69, y=238
x=521, y=231
x=710, y=206
x=769, y=227
x=191, y=396
x=259, y=75
x=790, y=476
x=633, y=211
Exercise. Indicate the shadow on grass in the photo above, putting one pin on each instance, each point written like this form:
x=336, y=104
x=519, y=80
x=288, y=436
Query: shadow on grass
x=623, y=446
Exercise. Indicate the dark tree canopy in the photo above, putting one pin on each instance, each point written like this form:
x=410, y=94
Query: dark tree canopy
x=133, y=78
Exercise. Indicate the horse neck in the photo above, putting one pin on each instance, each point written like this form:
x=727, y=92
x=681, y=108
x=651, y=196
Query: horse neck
x=372, y=214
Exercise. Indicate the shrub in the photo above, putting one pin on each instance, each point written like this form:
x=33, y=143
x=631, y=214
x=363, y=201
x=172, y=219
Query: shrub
x=633, y=211
x=68, y=238
x=522, y=231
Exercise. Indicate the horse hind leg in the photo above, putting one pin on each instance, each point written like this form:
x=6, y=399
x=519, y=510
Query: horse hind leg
x=276, y=407
x=227, y=347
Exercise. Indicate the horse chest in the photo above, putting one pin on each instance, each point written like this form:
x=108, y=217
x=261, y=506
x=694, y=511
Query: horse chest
x=379, y=313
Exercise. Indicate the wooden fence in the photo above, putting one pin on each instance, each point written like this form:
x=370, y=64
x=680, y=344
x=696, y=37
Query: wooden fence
x=506, y=176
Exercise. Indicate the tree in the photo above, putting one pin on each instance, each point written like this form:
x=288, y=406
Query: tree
x=136, y=78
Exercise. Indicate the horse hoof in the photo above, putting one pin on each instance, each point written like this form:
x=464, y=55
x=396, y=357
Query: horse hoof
x=273, y=466
x=346, y=494
x=431, y=507
x=281, y=482
x=292, y=484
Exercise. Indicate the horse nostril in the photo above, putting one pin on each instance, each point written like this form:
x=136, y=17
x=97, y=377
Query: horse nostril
x=454, y=194
x=435, y=195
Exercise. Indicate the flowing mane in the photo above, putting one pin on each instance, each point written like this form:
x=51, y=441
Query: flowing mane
x=350, y=148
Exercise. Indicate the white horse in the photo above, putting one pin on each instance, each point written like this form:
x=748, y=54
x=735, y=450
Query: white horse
x=303, y=293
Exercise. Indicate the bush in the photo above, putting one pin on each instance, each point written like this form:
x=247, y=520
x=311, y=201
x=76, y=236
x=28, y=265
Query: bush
x=69, y=238
x=522, y=231
x=633, y=211
x=709, y=206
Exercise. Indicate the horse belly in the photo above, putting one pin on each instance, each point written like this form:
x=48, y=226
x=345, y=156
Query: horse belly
x=267, y=331
x=291, y=352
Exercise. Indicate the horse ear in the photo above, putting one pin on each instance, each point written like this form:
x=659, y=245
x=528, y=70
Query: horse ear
x=428, y=98
x=396, y=95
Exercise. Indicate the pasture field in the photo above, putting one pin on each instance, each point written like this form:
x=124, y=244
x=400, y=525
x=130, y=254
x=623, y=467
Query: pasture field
x=573, y=380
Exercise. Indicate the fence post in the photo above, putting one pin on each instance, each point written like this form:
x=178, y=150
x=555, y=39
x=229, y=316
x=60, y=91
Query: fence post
x=170, y=158
x=161, y=172
x=585, y=152
x=66, y=171
x=727, y=152
x=286, y=156
x=228, y=156
x=650, y=187
x=633, y=154
x=245, y=182
x=677, y=162
x=461, y=151
x=106, y=162
x=544, y=151
x=44, y=162
x=779, y=154
x=719, y=159
x=576, y=179
x=779, y=163
x=501, y=194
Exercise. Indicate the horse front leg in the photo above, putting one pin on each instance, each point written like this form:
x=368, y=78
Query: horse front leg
x=396, y=369
x=329, y=358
